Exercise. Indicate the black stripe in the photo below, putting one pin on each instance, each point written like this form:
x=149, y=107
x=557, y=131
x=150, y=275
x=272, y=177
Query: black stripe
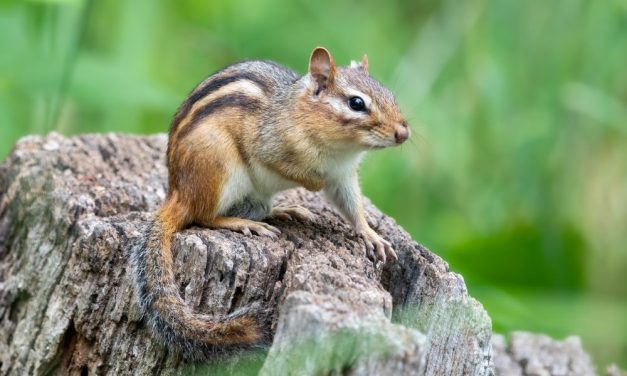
x=230, y=100
x=211, y=86
x=222, y=81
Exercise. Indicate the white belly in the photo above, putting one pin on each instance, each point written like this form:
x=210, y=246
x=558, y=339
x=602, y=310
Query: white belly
x=267, y=183
x=238, y=186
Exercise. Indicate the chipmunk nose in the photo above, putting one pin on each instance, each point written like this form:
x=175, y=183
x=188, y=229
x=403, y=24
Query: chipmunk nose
x=401, y=134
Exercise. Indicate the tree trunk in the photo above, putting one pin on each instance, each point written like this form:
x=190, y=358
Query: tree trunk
x=71, y=209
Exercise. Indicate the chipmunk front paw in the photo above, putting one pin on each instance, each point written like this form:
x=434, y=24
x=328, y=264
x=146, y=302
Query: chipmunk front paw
x=377, y=248
x=291, y=212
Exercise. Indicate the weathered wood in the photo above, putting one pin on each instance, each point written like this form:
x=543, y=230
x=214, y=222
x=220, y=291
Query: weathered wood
x=537, y=354
x=72, y=208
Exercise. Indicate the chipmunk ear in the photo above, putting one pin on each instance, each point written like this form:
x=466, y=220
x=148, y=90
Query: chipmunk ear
x=322, y=68
x=364, y=62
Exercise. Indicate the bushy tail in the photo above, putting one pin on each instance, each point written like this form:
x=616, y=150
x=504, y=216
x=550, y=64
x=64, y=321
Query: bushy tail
x=195, y=336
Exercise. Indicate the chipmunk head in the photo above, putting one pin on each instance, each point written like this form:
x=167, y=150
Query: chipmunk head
x=345, y=106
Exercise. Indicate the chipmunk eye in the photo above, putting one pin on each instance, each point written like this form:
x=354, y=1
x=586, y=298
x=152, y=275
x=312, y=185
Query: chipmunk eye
x=357, y=104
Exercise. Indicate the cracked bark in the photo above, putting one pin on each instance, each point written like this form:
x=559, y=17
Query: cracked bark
x=72, y=208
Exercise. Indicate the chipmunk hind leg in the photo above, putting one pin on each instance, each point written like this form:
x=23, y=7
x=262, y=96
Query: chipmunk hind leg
x=244, y=216
x=250, y=208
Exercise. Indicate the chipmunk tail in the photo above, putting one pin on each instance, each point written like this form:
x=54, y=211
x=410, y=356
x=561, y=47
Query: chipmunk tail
x=196, y=336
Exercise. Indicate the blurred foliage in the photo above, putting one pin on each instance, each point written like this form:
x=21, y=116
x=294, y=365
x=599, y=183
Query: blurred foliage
x=517, y=173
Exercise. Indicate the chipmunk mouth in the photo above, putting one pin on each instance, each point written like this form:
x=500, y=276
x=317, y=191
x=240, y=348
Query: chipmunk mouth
x=377, y=146
x=375, y=143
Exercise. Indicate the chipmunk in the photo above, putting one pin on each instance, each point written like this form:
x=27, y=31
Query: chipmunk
x=245, y=133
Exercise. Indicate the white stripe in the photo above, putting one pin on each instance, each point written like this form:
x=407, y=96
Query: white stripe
x=243, y=86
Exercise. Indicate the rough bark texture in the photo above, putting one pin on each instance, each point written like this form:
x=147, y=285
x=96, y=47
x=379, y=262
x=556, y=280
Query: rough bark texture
x=72, y=208
x=537, y=354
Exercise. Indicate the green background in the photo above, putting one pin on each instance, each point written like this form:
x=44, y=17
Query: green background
x=517, y=169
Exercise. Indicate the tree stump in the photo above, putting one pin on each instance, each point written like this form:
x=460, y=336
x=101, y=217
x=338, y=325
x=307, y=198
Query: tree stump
x=71, y=209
